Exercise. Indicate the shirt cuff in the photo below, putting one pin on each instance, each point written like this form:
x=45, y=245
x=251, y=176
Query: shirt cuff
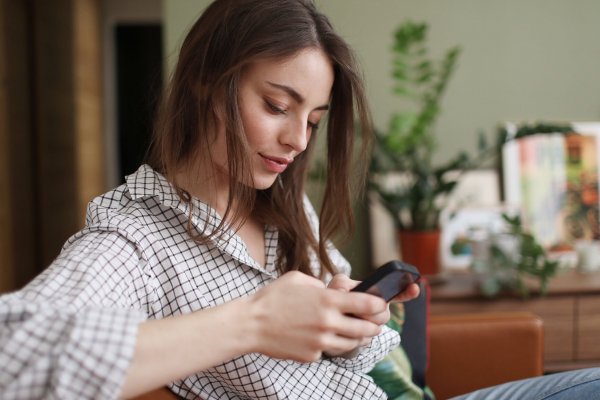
x=58, y=353
x=99, y=353
x=368, y=356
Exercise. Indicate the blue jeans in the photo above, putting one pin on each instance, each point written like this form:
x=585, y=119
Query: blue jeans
x=581, y=384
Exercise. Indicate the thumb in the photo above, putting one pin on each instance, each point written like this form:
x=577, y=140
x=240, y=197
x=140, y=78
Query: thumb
x=342, y=282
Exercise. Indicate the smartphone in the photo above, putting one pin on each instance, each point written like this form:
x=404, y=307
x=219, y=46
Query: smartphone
x=389, y=280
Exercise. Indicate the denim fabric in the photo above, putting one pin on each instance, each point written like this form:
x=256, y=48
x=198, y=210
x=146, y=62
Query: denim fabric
x=581, y=384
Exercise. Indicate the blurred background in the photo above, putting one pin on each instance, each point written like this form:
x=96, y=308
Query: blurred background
x=80, y=79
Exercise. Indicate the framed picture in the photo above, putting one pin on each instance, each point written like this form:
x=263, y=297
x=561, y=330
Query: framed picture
x=553, y=179
x=462, y=227
x=473, y=207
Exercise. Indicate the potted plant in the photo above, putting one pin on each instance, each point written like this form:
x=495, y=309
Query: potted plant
x=403, y=174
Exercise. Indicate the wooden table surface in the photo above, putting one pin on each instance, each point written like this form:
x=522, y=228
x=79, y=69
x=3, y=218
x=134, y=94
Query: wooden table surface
x=462, y=285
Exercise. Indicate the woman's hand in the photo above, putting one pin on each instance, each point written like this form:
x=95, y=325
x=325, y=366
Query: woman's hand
x=411, y=292
x=298, y=318
x=343, y=283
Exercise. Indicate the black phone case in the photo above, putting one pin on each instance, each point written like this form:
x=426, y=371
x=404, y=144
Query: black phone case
x=389, y=280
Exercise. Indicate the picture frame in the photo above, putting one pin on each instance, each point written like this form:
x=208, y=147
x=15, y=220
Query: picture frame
x=465, y=226
x=552, y=178
x=473, y=206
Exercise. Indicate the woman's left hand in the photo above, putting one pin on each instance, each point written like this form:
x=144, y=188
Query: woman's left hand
x=342, y=282
x=411, y=292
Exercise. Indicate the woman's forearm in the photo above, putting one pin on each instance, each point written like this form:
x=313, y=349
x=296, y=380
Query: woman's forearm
x=172, y=348
x=294, y=318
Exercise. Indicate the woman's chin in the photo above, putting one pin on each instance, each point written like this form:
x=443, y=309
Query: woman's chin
x=264, y=182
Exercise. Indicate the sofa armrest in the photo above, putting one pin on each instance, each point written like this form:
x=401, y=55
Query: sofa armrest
x=471, y=351
x=162, y=393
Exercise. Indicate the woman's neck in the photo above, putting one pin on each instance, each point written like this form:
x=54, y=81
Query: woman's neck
x=209, y=188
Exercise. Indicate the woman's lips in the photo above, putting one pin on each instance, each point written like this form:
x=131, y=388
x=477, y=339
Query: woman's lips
x=275, y=164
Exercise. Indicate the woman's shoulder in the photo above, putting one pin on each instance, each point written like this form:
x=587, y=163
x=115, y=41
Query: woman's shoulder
x=144, y=198
x=115, y=208
x=134, y=209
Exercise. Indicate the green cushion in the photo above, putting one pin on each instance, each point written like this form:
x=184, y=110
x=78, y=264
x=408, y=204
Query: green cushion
x=394, y=373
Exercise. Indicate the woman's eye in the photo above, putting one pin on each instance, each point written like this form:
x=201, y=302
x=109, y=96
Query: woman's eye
x=275, y=109
x=313, y=125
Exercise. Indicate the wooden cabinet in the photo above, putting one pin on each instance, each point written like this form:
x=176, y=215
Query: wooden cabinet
x=570, y=312
x=588, y=328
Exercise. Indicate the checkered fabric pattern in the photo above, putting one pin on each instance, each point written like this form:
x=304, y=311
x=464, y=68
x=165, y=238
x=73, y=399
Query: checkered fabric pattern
x=71, y=332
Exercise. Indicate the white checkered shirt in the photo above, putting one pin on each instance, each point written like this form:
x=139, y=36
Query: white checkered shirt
x=71, y=332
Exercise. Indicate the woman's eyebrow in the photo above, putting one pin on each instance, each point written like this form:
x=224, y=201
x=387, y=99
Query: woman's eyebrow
x=294, y=94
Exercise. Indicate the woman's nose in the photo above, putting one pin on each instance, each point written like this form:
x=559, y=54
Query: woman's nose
x=296, y=136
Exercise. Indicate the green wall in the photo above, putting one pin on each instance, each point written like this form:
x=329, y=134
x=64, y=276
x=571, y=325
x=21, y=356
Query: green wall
x=521, y=60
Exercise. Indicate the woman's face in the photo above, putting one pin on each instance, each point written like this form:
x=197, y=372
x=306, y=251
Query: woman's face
x=281, y=103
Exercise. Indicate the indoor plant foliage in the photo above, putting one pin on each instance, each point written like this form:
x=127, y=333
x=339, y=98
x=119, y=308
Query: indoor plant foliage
x=415, y=198
x=403, y=174
x=503, y=267
x=408, y=183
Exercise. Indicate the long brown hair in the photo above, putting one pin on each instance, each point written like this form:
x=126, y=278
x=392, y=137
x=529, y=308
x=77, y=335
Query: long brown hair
x=228, y=36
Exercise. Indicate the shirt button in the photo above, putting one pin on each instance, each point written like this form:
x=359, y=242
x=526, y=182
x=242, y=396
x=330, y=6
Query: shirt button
x=330, y=371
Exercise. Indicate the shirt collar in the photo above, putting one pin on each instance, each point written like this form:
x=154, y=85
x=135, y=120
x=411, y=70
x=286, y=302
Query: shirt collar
x=146, y=183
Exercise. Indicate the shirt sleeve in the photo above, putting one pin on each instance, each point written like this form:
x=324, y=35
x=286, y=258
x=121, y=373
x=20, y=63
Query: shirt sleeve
x=71, y=332
x=368, y=356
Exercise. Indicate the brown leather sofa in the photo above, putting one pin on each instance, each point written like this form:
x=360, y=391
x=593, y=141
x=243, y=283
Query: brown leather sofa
x=472, y=351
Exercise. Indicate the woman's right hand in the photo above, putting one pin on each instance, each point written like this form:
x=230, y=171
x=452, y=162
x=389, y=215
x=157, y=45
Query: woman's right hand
x=298, y=318
x=295, y=318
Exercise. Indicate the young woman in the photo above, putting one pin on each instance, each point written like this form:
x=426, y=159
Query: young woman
x=207, y=269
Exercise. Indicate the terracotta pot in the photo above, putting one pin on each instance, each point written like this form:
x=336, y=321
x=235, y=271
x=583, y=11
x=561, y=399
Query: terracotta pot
x=421, y=249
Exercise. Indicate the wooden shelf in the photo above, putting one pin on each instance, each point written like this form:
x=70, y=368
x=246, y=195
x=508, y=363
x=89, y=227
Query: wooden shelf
x=463, y=285
x=570, y=312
